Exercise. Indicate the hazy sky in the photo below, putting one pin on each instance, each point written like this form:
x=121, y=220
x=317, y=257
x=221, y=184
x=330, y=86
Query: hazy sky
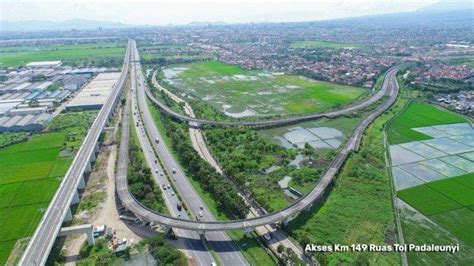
x=162, y=12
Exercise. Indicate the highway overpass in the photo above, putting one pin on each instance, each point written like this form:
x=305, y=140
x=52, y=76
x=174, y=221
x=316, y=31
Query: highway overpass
x=389, y=89
x=58, y=210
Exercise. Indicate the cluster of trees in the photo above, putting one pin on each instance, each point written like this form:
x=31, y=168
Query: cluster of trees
x=221, y=190
x=140, y=181
x=165, y=253
x=99, y=254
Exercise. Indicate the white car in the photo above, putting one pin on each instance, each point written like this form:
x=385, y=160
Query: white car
x=200, y=214
x=172, y=193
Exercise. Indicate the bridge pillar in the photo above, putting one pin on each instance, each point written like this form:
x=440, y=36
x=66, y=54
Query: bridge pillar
x=68, y=217
x=75, y=198
x=90, y=237
x=248, y=231
x=88, y=167
x=285, y=221
x=308, y=208
x=82, y=183
x=96, y=148
x=202, y=234
x=93, y=157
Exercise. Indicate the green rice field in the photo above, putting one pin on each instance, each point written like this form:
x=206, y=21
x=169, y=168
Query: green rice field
x=418, y=114
x=20, y=55
x=239, y=92
x=324, y=44
x=30, y=173
x=449, y=202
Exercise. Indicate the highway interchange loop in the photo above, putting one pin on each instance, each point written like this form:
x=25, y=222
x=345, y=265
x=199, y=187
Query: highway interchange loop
x=389, y=88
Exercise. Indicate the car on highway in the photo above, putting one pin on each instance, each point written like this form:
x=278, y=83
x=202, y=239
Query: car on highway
x=157, y=140
x=156, y=170
x=168, y=186
x=164, y=187
x=174, y=170
x=268, y=236
x=200, y=214
x=172, y=193
x=178, y=206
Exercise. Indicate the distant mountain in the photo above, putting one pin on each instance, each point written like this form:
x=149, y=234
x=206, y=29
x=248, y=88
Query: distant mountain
x=444, y=12
x=449, y=5
x=77, y=24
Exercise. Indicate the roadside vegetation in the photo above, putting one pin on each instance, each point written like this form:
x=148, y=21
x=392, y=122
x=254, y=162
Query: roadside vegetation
x=100, y=254
x=8, y=138
x=222, y=191
x=140, y=181
x=358, y=209
x=31, y=171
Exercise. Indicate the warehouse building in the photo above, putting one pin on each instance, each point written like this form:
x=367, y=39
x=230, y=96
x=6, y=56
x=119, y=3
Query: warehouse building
x=94, y=94
x=44, y=64
x=24, y=123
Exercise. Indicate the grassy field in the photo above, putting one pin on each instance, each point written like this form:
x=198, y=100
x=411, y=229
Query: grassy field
x=448, y=202
x=30, y=173
x=419, y=230
x=170, y=53
x=358, y=209
x=21, y=55
x=419, y=114
x=323, y=44
x=234, y=90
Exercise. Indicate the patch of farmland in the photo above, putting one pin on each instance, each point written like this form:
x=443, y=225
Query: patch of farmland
x=419, y=229
x=455, y=190
x=238, y=92
x=448, y=145
x=316, y=137
x=420, y=115
x=17, y=56
x=27, y=193
x=459, y=162
x=469, y=156
x=30, y=173
x=422, y=149
x=37, y=142
x=427, y=200
x=460, y=222
x=443, y=168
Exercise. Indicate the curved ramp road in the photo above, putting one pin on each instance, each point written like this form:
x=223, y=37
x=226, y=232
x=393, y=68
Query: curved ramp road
x=43, y=239
x=279, y=121
x=389, y=88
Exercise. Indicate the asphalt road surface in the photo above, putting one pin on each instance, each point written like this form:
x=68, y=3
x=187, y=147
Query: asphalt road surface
x=226, y=249
x=188, y=240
